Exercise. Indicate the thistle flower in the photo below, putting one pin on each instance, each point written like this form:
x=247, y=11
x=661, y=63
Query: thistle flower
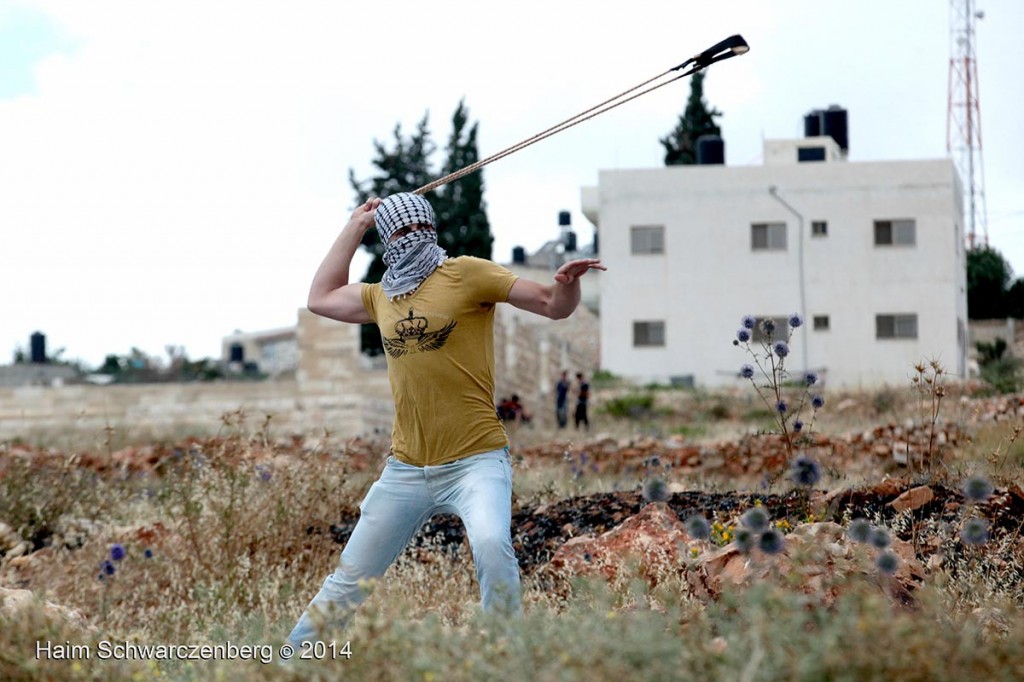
x=977, y=488
x=768, y=326
x=880, y=538
x=781, y=349
x=795, y=320
x=117, y=552
x=781, y=406
x=975, y=531
x=771, y=541
x=817, y=402
x=743, y=335
x=749, y=321
x=148, y=553
x=887, y=562
x=747, y=371
x=810, y=378
x=656, y=490
x=745, y=540
x=698, y=528
x=798, y=426
x=655, y=461
x=860, y=530
x=755, y=518
x=805, y=471
x=108, y=568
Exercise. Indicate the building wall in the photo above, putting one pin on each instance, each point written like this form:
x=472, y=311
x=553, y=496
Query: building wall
x=709, y=276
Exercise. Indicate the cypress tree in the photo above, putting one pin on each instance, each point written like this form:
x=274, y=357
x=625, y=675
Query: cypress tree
x=696, y=120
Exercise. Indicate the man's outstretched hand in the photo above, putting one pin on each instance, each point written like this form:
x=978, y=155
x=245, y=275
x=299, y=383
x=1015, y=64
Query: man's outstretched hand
x=574, y=269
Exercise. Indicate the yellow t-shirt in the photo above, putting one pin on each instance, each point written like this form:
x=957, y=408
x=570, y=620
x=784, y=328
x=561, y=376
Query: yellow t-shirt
x=440, y=352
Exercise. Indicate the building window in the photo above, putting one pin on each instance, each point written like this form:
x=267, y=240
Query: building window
x=819, y=228
x=896, y=326
x=821, y=323
x=768, y=236
x=649, y=333
x=895, y=233
x=647, y=239
x=781, y=332
x=804, y=154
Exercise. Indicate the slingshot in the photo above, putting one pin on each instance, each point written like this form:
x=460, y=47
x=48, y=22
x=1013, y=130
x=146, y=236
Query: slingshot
x=730, y=47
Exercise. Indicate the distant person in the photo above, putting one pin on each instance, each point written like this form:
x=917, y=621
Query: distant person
x=519, y=412
x=562, y=400
x=582, y=399
x=449, y=450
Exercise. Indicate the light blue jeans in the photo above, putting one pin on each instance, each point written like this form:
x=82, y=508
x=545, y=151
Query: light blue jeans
x=477, y=488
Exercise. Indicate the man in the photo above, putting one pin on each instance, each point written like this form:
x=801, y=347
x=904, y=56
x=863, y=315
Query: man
x=562, y=400
x=582, y=399
x=449, y=451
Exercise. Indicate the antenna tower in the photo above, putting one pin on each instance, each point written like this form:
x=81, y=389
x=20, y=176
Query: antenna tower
x=963, y=120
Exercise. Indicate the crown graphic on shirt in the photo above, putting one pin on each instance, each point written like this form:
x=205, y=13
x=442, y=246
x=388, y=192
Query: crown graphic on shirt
x=411, y=326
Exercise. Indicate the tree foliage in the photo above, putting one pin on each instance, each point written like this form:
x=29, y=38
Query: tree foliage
x=696, y=120
x=460, y=211
x=988, y=278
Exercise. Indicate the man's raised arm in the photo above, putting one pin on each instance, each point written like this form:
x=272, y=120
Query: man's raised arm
x=330, y=294
x=557, y=300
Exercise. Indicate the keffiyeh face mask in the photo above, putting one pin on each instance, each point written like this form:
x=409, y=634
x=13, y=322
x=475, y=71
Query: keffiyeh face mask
x=412, y=257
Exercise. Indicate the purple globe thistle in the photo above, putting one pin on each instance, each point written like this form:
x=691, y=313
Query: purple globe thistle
x=817, y=402
x=755, y=518
x=795, y=320
x=745, y=540
x=743, y=335
x=860, y=530
x=108, y=568
x=811, y=378
x=117, y=552
x=781, y=406
x=768, y=326
x=771, y=541
x=148, y=553
x=798, y=426
x=656, y=490
x=887, y=562
x=975, y=531
x=747, y=371
x=749, y=321
x=880, y=538
x=977, y=488
x=698, y=527
x=781, y=349
x=805, y=471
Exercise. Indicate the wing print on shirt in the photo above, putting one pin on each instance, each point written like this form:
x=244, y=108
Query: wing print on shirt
x=398, y=346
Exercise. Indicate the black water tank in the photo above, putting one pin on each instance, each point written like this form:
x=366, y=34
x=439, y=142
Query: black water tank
x=570, y=241
x=834, y=124
x=710, y=150
x=37, y=342
x=518, y=254
x=564, y=219
x=812, y=124
x=236, y=353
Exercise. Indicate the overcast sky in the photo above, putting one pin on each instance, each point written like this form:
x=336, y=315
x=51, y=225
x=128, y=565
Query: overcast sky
x=172, y=172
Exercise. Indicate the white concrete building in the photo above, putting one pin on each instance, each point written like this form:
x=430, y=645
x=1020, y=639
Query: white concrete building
x=870, y=253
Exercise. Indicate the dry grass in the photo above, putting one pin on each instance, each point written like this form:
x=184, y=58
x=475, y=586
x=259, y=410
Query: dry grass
x=229, y=539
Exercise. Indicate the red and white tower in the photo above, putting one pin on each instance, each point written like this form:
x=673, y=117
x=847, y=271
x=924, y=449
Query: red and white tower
x=963, y=121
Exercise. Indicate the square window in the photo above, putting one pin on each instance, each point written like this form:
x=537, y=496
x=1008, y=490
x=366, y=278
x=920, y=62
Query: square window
x=768, y=237
x=895, y=232
x=898, y=326
x=821, y=323
x=819, y=228
x=649, y=333
x=647, y=239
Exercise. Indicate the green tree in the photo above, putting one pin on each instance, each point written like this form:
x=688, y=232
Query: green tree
x=463, y=227
x=696, y=120
x=988, y=277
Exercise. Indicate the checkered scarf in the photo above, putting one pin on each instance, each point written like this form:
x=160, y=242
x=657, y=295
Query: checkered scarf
x=413, y=257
